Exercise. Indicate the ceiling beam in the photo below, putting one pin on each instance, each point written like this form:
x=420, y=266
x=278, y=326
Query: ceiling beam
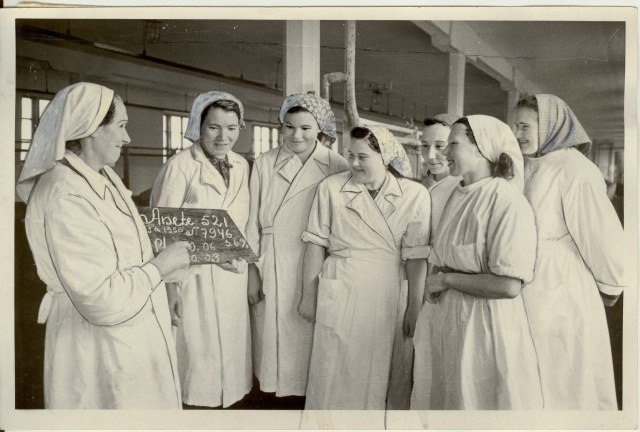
x=456, y=37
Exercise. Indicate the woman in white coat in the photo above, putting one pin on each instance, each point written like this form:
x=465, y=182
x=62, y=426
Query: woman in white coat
x=282, y=187
x=108, y=341
x=440, y=184
x=209, y=307
x=580, y=260
x=480, y=353
x=374, y=224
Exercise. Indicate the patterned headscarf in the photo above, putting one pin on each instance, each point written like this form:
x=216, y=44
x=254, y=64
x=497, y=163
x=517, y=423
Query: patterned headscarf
x=200, y=104
x=318, y=107
x=558, y=126
x=493, y=138
x=392, y=152
x=75, y=112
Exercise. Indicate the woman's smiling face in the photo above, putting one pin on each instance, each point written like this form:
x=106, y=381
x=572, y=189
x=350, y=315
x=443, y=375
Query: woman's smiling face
x=527, y=130
x=300, y=131
x=219, y=131
x=366, y=164
x=434, y=141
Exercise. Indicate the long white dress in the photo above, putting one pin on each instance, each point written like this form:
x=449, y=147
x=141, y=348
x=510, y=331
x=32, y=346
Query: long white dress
x=480, y=353
x=360, y=285
x=282, y=191
x=580, y=254
x=108, y=341
x=213, y=339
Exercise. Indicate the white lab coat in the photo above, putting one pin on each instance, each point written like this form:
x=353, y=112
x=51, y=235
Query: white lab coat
x=282, y=190
x=213, y=339
x=108, y=340
x=581, y=252
x=359, y=294
x=480, y=353
x=440, y=192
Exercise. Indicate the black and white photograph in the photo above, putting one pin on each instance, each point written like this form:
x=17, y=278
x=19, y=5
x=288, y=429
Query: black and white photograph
x=319, y=218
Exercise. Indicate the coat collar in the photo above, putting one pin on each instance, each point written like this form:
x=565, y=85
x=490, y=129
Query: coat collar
x=300, y=176
x=210, y=176
x=99, y=182
x=375, y=214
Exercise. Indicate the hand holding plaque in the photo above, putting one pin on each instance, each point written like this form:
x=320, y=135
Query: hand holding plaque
x=212, y=235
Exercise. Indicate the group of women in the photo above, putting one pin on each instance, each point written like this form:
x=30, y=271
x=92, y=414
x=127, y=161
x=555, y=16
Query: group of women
x=482, y=288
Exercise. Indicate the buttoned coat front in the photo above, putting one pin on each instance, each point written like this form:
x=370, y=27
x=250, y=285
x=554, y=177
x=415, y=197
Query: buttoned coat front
x=213, y=339
x=282, y=191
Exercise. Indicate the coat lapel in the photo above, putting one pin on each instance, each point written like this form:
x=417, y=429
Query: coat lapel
x=208, y=174
x=370, y=211
x=236, y=176
x=311, y=173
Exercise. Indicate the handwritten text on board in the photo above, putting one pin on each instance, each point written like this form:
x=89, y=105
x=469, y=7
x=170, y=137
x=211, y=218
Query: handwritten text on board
x=212, y=235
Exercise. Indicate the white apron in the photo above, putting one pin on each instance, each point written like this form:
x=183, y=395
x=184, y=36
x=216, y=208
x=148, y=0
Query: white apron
x=213, y=340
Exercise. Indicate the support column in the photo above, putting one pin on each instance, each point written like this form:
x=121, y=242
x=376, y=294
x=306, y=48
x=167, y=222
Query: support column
x=512, y=100
x=302, y=57
x=456, y=84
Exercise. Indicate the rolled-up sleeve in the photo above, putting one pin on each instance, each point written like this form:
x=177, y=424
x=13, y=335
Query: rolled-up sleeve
x=85, y=258
x=511, y=239
x=319, y=225
x=415, y=241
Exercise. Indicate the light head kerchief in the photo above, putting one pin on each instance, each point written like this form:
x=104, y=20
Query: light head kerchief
x=493, y=138
x=318, y=107
x=392, y=152
x=200, y=104
x=558, y=126
x=75, y=112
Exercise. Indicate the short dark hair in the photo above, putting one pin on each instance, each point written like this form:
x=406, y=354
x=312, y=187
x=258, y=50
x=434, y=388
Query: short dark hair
x=223, y=104
x=529, y=101
x=360, y=132
x=434, y=121
x=297, y=109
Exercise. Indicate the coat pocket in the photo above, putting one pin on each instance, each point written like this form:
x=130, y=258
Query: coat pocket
x=331, y=302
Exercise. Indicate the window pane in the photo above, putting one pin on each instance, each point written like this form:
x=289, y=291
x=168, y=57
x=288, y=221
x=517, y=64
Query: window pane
x=176, y=139
x=26, y=108
x=25, y=132
x=185, y=121
x=42, y=104
x=164, y=123
x=24, y=146
x=274, y=137
x=176, y=125
x=264, y=132
x=256, y=141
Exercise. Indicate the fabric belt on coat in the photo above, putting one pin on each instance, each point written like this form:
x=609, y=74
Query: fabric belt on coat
x=267, y=230
x=451, y=270
x=45, y=306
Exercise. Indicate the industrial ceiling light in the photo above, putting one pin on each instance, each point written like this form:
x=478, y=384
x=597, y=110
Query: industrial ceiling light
x=152, y=31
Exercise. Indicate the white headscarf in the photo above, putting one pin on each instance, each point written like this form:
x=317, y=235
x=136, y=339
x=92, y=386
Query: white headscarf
x=75, y=112
x=200, y=104
x=493, y=138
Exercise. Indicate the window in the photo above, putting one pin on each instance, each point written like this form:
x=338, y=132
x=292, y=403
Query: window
x=31, y=108
x=173, y=129
x=265, y=138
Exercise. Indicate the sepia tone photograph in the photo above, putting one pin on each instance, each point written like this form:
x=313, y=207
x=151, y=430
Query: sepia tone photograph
x=319, y=218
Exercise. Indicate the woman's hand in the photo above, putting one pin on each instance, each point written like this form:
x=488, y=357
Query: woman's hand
x=235, y=266
x=307, y=308
x=434, y=286
x=173, y=262
x=410, y=319
x=175, y=304
x=254, y=287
